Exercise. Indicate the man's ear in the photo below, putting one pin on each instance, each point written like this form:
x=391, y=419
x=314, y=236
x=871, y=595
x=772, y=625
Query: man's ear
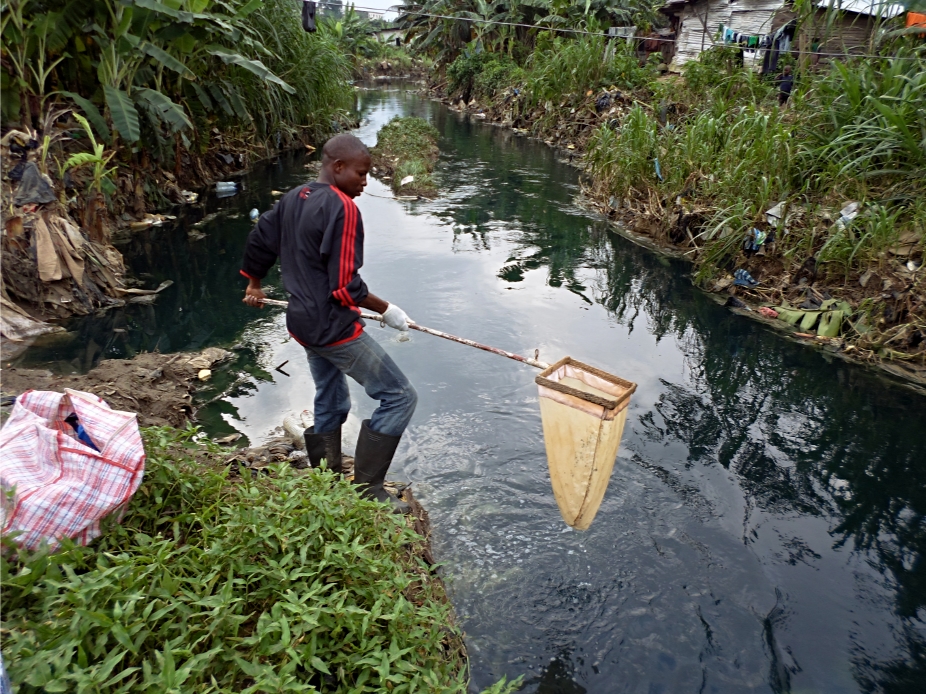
x=338, y=166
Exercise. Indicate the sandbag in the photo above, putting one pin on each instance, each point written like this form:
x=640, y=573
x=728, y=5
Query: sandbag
x=61, y=479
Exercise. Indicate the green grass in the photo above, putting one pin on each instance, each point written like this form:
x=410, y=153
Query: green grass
x=407, y=146
x=280, y=582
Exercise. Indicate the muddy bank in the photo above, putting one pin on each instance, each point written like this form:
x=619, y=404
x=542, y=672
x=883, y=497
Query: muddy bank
x=159, y=387
x=879, y=312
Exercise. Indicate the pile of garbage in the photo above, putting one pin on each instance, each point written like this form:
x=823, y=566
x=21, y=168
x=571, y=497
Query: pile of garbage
x=52, y=268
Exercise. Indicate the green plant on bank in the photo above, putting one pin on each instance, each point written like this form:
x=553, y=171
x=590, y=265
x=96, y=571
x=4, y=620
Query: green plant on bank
x=407, y=146
x=102, y=178
x=853, y=132
x=285, y=582
x=160, y=76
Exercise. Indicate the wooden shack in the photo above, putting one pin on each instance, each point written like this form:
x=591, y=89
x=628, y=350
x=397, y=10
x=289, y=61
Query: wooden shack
x=844, y=27
x=836, y=27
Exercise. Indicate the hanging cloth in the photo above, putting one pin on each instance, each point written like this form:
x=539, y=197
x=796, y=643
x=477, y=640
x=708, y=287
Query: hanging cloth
x=308, y=16
x=752, y=42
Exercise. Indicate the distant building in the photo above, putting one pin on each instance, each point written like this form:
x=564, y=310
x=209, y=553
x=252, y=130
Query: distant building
x=392, y=35
x=700, y=24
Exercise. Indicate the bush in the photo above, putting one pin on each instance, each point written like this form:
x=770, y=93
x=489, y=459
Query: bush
x=284, y=582
x=407, y=147
x=463, y=71
x=496, y=75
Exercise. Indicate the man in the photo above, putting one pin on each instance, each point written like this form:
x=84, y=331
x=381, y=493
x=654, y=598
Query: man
x=316, y=232
x=785, y=85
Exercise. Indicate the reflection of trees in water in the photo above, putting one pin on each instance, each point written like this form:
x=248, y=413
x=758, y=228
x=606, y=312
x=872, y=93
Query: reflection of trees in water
x=803, y=435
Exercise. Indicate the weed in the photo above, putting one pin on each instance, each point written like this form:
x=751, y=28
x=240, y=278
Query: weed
x=284, y=582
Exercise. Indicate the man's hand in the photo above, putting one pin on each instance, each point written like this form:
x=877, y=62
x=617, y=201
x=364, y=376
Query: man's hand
x=254, y=296
x=395, y=317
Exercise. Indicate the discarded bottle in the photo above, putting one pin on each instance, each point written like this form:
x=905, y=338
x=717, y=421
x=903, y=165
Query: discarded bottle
x=225, y=189
x=254, y=214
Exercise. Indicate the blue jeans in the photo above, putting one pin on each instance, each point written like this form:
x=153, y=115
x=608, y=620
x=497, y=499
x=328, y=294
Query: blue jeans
x=367, y=363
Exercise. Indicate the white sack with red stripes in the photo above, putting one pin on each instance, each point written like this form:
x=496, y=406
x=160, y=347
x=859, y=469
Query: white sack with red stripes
x=55, y=486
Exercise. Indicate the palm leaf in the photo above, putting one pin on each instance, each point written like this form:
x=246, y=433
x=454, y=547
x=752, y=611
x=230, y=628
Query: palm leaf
x=123, y=113
x=253, y=66
x=166, y=59
x=166, y=110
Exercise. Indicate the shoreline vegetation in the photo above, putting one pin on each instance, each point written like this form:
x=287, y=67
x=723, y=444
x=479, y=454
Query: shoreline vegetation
x=811, y=217
x=225, y=579
x=117, y=112
x=405, y=154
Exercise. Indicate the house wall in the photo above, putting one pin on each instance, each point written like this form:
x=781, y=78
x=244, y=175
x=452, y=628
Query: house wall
x=747, y=16
x=843, y=34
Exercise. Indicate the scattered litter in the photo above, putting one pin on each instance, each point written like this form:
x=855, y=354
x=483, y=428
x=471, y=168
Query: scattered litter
x=830, y=316
x=151, y=220
x=912, y=266
x=62, y=490
x=755, y=239
x=768, y=312
x=847, y=214
x=405, y=181
x=189, y=196
x=160, y=288
x=775, y=215
x=658, y=169
x=225, y=186
x=254, y=214
x=403, y=336
x=741, y=278
x=231, y=438
x=276, y=193
x=734, y=302
x=204, y=374
x=33, y=188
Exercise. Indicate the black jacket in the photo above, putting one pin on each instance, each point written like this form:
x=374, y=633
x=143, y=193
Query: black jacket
x=316, y=232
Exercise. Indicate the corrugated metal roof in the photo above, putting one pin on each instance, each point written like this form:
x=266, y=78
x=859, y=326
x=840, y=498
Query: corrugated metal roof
x=873, y=8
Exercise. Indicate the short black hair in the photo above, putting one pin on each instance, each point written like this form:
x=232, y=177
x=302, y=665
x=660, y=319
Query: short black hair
x=344, y=147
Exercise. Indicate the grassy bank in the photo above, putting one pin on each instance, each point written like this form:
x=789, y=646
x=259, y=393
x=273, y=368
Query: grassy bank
x=219, y=582
x=406, y=147
x=694, y=162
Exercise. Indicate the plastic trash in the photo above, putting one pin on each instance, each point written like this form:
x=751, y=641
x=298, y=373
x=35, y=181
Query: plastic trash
x=743, y=279
x=33, y=188
x=254, y=214
x=847, y=214
x=405, y=181
x=224, y=189
x=583, y=411
x=82, y=434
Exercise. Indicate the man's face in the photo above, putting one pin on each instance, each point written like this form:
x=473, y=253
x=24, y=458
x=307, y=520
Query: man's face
x=351, y=175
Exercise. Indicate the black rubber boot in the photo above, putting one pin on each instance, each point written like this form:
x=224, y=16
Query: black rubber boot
x=373, y=458
x=327, y=446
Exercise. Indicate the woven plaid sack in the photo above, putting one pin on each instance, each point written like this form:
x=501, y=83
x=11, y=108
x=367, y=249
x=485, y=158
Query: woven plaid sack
x=55, y=486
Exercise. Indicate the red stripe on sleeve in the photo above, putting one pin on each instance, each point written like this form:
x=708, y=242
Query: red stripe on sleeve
x=348, y=241
x=250, y=277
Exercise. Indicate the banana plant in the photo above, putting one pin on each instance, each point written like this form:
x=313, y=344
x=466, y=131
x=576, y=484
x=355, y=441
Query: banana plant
x=98, y=159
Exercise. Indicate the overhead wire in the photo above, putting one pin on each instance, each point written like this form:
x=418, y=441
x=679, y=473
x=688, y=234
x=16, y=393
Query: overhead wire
x=582, y=32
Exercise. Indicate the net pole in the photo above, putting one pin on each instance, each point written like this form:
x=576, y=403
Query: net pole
x=536, y=363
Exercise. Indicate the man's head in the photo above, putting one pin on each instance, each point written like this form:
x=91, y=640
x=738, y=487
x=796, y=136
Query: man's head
x=345, y=164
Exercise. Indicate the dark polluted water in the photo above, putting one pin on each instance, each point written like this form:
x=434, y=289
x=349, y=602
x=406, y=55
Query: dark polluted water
x=763, y=529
